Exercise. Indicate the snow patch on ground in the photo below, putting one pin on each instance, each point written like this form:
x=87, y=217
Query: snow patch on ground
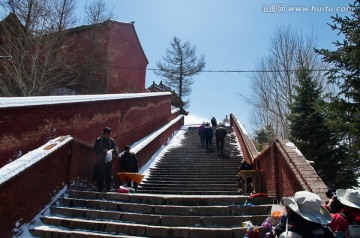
x=173, y=142
x=24, y=230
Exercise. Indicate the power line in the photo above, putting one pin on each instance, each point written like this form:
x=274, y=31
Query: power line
x=224, y=71
x=247, y=71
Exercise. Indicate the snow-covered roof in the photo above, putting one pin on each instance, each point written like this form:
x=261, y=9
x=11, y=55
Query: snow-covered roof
x=48, y=100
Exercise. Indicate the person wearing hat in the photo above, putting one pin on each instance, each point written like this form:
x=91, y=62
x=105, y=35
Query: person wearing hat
x=332, y=205
x=305, y=217
x=350, y=212
x=104, y=148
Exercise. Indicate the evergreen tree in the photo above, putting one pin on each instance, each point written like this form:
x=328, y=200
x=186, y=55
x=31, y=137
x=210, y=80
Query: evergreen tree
x=344, y=72
x=264, y=136
x=309, y=132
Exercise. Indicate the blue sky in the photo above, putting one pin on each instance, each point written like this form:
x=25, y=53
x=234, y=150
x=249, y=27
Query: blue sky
x=232, y=35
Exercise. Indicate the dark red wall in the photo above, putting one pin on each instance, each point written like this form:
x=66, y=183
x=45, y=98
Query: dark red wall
x=109, y=58
x=127, y=59
x=24, y=128
x=27, y=193
x=23, y=196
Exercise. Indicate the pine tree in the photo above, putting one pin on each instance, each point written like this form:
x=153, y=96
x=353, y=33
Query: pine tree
x=313, y=137
x=344, y=72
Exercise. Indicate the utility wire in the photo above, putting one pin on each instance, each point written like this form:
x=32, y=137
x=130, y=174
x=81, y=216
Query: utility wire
x=223, y=71
x=246, y=71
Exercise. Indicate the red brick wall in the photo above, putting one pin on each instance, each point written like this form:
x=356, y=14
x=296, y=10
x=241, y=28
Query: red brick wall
x=126, y=58
x=283, y=170
x=82, y=168
x=109, y=58
x=23, y=128
x=23, y=196
x=278, y=176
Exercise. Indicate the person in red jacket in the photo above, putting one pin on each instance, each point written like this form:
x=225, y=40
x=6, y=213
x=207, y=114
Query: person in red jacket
x=349, y=213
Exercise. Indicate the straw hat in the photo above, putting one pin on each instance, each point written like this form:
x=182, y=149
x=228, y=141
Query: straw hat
x=349, y=197
x=308, y=206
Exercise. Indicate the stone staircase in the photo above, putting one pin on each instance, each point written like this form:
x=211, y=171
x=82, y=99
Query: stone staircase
x=93, y=214
x=191, y=169
x=190, y=193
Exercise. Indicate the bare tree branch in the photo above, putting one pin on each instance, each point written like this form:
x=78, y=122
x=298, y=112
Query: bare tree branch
x=38, y=64
x=273, y=92
x=97, y=12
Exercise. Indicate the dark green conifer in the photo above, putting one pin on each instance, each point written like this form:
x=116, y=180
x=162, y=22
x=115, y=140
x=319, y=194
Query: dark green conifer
x=312, y=136
x=344, y=73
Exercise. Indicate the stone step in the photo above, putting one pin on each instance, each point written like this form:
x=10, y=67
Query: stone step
x=189, y=181
x=194, y=174
x=197, y=165
x=132, y=229
x=205, y=163
x=191, y=186
x=194, y=170
x=201, y=158
x=58, y=232
x=190, y=210
x=187, y=192
x=210, y=156
x=194, y=178
x=177, y=200
x=158, y=219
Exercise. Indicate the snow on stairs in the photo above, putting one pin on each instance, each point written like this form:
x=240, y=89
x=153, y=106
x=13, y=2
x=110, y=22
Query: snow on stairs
x=191, y=169
x=92, y=214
